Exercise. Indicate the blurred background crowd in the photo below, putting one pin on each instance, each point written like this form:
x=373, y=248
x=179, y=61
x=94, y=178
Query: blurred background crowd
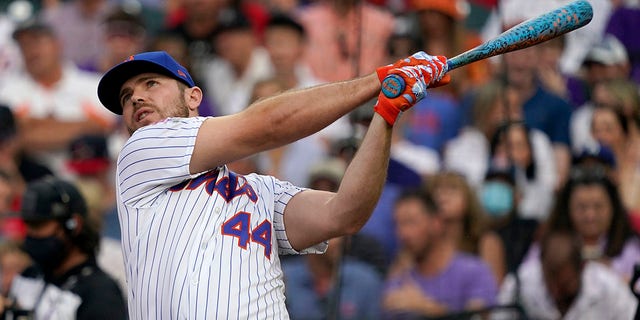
x=517, y=184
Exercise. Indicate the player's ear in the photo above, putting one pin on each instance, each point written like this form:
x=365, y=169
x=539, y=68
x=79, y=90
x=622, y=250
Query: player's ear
x=193, y=97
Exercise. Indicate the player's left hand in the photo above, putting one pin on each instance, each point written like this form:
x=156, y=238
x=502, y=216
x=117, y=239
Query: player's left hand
x=415, y=74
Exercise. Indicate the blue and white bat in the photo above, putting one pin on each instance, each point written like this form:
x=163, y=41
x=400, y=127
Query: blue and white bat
x=526, y=34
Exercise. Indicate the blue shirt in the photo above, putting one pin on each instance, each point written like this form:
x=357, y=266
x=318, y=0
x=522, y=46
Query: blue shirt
x=550, y=114
x=359, y=298
x=433, y=121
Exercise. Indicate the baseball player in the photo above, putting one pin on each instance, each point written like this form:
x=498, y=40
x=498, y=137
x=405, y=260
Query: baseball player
x=201, y=242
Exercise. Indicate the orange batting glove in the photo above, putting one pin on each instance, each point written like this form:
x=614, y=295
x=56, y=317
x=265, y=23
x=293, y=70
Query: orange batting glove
x=405, y=82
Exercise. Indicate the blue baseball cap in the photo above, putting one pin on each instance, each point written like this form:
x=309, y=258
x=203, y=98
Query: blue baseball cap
x=154, y=62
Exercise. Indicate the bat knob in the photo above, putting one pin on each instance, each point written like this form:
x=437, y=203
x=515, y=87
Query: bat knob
x=392, y=86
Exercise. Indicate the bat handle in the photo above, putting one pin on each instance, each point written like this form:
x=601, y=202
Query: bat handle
x=393, y=85
x=453, y=63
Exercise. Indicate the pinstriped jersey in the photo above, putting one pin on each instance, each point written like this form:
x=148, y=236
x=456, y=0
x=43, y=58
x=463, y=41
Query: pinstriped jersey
x=199, y=246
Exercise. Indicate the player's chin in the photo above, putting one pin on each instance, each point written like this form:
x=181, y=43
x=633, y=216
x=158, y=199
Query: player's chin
x=149, y=119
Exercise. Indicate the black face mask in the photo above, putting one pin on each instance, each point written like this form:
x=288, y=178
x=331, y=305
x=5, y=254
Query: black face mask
x=48, y=252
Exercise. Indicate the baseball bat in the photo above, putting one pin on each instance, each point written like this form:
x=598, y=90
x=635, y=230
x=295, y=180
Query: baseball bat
x=523, y=35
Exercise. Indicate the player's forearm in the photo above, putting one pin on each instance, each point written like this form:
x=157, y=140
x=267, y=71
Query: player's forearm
x=276, y=121
x=364, y=179
x=315, y=216
x=299, y=113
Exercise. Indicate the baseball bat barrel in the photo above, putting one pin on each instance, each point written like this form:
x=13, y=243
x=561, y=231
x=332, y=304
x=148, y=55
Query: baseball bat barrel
x=523, y=35
x=528, y=33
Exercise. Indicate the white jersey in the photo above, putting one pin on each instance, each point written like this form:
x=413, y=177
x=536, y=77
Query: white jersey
x=199, y=246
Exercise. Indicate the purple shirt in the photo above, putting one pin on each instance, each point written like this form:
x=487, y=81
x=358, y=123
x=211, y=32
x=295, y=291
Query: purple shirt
x=466, y=278
x=624, y=23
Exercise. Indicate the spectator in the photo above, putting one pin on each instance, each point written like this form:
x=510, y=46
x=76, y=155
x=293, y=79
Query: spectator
x=441, y=28
x=433, y=121
x=344, y=37
x=197, y=22
x=408, y=166
x=123, y=34
x=464, y=220
x=599, y=158
x=437, y=25
x=607, y=61
x=494, y=107
x=488, y=110
x=16, y=170
x=513, y=145
x=441, y=280
x=21, y=167
x=196, y=26
x=614, y=124
x=551, y=77
x=52, y=96
x=500, y=197
x=13, y=261
x=239, y=63
x=91, y=165
x=63, y=244
x=622, y=22
x=589, y=204
x=541, y=109
x=560, y=284
x=78, y=24
x=312, y=291
x=172, y=43
x=331, y=285
x=285, y=40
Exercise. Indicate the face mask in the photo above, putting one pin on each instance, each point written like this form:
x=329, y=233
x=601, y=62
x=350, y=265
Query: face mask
x=48, y=252
x=497, y=198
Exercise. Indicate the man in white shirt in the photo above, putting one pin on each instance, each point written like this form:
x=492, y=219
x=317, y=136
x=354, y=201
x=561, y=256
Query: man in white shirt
x=561, y=285
x=53, y=101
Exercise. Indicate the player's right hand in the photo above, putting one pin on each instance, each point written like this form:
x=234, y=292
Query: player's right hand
x=411, y=76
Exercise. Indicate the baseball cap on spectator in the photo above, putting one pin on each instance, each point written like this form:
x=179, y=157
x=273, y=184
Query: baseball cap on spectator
x=331, y=170
x=505, y=173
x=232, y=20
x=600, y=154
x=7, y=124
x=51, y=199
x=122, y=22
x=153, y=62
x=285, y=21
x=610, y=51
x=456, y=9
x=34, y=25
x=88, y=154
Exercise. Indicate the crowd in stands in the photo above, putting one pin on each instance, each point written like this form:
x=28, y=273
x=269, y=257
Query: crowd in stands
x=517, y=186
